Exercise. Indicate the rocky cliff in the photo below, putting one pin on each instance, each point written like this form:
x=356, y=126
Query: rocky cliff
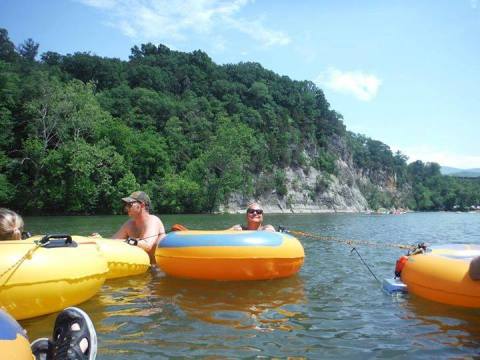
x=309, y=190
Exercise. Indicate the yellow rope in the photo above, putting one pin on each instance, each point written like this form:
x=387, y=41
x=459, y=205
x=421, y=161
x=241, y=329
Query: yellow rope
x=347, y=241
x=27, y=255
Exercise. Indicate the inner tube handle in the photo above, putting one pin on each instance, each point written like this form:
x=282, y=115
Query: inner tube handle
x=46, y=239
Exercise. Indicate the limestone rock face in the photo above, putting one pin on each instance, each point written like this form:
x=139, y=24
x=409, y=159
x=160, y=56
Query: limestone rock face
x=308, y=190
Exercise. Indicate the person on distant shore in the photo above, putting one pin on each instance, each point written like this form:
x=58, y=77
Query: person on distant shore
x=11, y=225
x=144, y=227
x=474, y=270
x=254, y=217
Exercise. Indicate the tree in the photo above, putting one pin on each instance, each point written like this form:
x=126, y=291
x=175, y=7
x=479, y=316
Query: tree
x=80, y=131
x=7, y=190
x=52, y=58
x=178, y=144
x=222, y=169
x=64, y=112
x=9, y=97
x=176, y=194
x=96, y=177
x=259, y=93
x=7, y=48
x=28, y=50
x=103, y=72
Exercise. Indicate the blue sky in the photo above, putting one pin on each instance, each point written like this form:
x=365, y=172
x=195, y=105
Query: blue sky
x=406, y=73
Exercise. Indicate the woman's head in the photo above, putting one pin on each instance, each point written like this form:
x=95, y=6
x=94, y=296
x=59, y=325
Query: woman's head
x=254, y=213
x=11, y=225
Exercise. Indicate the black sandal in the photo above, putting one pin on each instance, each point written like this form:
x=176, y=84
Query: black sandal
x=40, y=349
x=65, y=343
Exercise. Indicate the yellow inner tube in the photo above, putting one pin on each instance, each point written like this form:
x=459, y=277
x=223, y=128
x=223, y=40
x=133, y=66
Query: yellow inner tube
x=442, y=275
x=122, y=259
x=230, y=255
x=36, y=280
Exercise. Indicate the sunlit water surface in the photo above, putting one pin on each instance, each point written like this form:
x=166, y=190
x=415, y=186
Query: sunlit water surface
x=333, y=308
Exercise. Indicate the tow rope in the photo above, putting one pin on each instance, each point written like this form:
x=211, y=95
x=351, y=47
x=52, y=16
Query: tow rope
x=411, y=249
x=349, y=242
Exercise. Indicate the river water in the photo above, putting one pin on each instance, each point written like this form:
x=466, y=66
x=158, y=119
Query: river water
x=333, y=308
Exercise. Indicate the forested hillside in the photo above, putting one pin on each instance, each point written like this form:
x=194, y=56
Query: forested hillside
x=81, y=131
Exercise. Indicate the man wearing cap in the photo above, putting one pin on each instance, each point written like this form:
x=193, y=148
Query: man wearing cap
x=146, y=228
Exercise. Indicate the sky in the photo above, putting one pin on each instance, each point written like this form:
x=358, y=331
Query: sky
x=404, y=72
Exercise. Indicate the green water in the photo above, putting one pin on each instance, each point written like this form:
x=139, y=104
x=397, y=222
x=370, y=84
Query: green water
x=332, y=309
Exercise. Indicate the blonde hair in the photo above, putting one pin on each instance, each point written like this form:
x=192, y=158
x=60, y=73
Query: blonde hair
x=11, y=225
x=252, y=203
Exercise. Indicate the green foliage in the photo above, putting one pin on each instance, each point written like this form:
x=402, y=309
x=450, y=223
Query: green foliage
x=28, y=50
x=325, y=161
x=7, y=190
x=7, y=48
x=280, y=185
x=370, y=154
x=176, y=194
x=376, y=198
x=433, y=191
x=81, y=131
x=222, y=168
x=61, y=112
x=103, y=72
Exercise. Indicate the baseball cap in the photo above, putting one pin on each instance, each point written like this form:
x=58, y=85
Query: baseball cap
x=138, y=196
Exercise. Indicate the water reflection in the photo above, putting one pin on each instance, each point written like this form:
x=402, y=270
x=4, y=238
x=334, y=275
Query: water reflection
x=445, y=325
x=254, y=304
x=257, y=304
x=166, y=313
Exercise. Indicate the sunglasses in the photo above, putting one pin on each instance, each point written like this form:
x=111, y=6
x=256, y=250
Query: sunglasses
x=127, y=206
x=255, y=211
x=130, y=204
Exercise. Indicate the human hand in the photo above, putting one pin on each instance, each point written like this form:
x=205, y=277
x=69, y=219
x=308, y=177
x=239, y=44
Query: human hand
x=268, y=228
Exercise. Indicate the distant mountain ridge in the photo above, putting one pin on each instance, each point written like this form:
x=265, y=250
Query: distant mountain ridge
x=446, y=170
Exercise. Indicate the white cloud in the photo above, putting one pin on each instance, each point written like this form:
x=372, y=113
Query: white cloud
x=357, y=83
x=257, y=31
x=164, y=20
x=428, y=153
x=219, y=44
x=101, y=4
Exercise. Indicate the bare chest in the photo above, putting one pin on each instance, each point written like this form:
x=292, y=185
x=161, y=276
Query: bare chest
x=137, y=232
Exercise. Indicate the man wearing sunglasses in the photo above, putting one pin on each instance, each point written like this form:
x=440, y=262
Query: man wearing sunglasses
x=144, y=227
x=254, y=219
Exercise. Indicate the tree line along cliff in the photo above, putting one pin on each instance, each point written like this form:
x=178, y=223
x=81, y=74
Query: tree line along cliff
x=80, y=131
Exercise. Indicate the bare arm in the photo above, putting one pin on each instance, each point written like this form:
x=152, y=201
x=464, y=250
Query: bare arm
x=236, y=227
x=122, y=233
x=154, y=233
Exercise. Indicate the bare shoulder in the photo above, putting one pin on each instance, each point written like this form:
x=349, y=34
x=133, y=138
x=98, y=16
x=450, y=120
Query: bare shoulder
x=156, y=222
x=154, y=219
